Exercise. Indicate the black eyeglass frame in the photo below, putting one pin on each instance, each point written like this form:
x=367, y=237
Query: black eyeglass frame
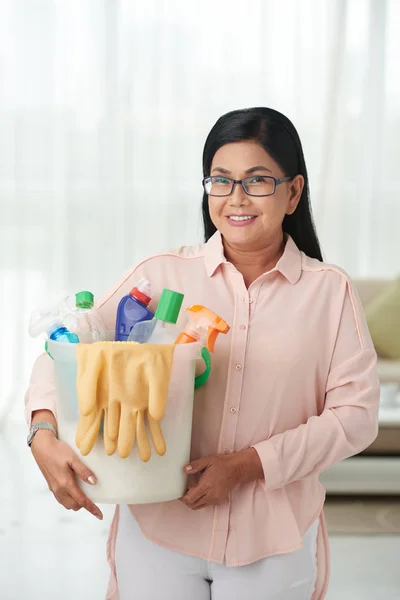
x=242, y=183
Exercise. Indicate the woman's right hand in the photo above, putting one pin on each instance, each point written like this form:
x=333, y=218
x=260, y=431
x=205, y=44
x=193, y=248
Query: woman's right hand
x=59, y=465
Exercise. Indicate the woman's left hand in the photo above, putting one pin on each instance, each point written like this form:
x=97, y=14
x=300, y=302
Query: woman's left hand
x=219, y=476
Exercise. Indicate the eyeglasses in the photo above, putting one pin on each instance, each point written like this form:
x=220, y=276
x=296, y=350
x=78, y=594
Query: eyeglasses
x=257, y=185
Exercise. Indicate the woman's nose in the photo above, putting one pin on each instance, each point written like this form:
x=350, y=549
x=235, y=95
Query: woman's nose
x=238, y=196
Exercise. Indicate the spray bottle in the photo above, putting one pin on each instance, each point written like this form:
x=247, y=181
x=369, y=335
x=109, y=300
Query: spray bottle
x=203, y=326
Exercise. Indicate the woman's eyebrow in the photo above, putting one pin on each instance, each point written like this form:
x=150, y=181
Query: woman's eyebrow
x=259, y=168
x=221, y=170
x=248, y=171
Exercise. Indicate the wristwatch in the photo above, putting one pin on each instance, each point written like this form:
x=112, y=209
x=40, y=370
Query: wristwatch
x=36, y=427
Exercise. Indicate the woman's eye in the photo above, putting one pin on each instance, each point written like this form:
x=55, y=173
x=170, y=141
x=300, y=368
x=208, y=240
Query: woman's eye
x=256, y=179
x=221, y=181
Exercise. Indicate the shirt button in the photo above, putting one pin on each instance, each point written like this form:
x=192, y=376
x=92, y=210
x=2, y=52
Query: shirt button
x=250, y=300
x=233, y=409
x=242, y=327
x=238, y=367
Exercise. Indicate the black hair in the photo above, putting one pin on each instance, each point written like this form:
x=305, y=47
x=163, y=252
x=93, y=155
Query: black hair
x=278, y=136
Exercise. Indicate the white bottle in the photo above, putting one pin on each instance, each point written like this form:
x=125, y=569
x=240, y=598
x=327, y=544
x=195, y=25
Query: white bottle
x=162, y=329
x=84, y=320
x=164, y=333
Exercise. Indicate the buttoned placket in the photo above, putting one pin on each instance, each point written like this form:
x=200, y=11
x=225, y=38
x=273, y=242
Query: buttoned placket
x=243, y=301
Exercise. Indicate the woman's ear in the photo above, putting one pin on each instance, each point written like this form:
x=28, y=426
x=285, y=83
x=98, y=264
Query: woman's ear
x=296, y=186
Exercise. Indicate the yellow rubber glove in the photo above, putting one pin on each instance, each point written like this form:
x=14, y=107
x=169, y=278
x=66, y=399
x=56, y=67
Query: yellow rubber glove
x=92, y=386
x=139, y=381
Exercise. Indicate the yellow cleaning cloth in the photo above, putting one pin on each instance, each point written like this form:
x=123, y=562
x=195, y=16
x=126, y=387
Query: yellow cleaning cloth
x=128, y=383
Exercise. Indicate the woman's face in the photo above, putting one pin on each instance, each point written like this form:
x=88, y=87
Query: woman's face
x=240, y=160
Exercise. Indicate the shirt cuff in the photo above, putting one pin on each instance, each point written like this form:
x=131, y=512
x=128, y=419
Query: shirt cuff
x=43, y=400
x=270, y=462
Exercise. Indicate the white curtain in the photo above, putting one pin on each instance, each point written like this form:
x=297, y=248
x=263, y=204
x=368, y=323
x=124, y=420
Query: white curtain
x=104, y=110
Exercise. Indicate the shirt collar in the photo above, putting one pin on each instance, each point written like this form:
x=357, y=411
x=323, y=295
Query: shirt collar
x=214, y=253
x=289, y=265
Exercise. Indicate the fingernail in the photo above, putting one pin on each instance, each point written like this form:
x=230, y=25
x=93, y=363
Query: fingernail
x=92, y=480
x=188, y=468
x=99, y=516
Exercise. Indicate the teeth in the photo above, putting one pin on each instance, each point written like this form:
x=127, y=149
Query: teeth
x=241, y=218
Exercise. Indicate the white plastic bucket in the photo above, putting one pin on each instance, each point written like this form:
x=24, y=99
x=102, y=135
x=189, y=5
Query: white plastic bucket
x=129, y=480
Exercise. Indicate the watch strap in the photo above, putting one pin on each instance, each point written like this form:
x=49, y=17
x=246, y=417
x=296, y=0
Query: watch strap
x=37, y=427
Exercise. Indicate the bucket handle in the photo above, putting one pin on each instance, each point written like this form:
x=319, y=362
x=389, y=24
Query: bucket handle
x=201, y=379
x=46, y=347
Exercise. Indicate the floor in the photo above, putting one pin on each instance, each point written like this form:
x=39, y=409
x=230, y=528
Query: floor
x=48, y=553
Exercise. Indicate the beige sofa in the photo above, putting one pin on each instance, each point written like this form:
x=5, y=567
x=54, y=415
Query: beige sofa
x=388, y=440
x=388, y=370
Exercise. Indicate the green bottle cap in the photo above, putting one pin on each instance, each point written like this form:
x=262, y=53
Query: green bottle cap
x=84, y=300
x=169, y=306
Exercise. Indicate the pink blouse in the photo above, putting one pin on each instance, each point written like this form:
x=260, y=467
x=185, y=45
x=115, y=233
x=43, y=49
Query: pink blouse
x=295, y=378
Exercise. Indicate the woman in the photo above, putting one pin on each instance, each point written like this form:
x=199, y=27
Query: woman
x=293, y=389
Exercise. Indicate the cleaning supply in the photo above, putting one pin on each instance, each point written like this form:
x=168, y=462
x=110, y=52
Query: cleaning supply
x=46, y=320
x=130, y=480
x=132, y=309
x=204, y=326
x=162, y=329
x=129, y=384
x=84, y=320
x=93, y=390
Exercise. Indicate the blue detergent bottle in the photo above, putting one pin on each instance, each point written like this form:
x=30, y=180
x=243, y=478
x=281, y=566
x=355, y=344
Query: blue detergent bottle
x=132, y=309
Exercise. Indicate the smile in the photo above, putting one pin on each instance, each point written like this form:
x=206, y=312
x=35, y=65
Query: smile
x=241, y=219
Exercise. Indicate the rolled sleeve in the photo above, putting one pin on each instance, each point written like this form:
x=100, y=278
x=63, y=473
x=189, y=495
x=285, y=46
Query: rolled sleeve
x=41, y=393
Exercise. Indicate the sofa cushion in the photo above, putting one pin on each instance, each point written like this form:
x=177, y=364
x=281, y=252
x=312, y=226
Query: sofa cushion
x=383, y=318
